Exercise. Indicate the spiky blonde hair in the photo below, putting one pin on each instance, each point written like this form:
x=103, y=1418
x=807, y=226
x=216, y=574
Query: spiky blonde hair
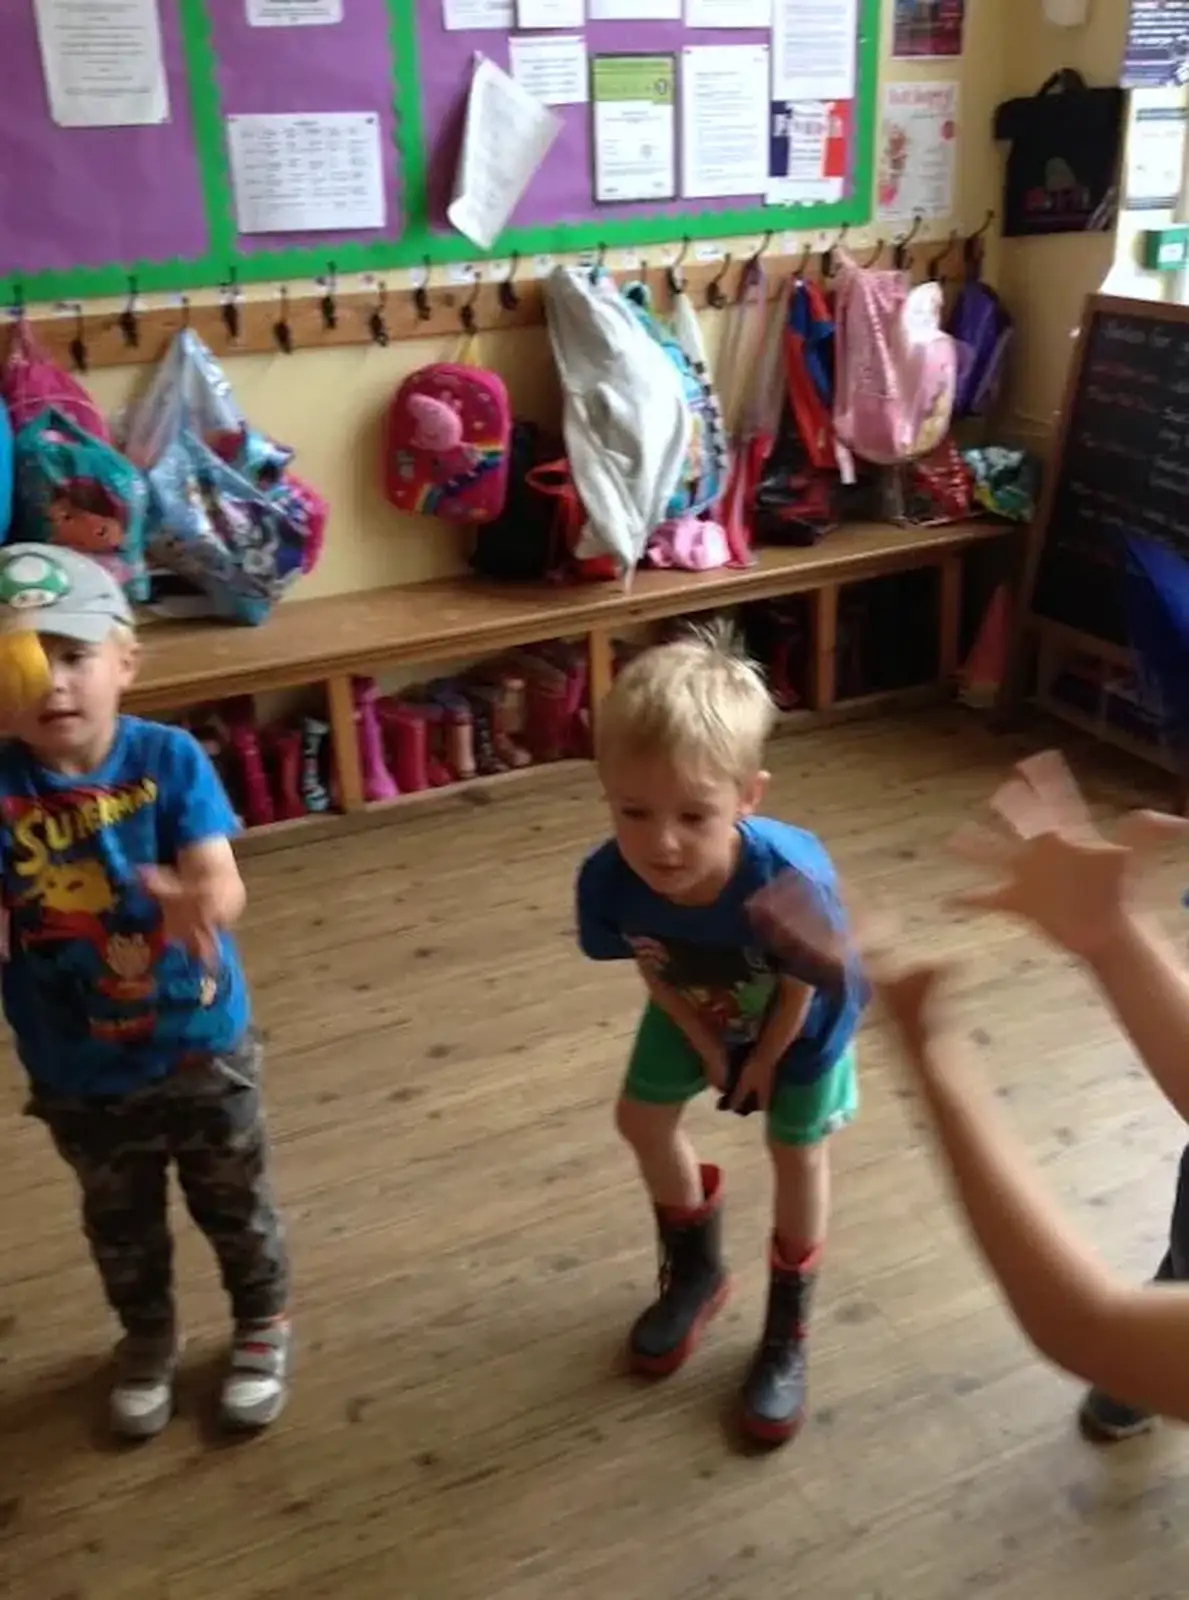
x=698, y=701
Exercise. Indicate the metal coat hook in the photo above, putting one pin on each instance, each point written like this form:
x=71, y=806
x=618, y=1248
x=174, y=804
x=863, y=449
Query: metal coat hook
x=804, y=263
x=715, y=298
x=900, y=254
x=674, y=273
x=829, y=252
x=466, y=311
x=231, y=304
x=185, y=311
x=509, y=299
x=754, y=260
x=600, y=258
x=421, y=296
x=972, y=248
x=78, y=345
x=873, y=258
x=376, y=323
x=129, y=326
x=935, y=264
x=328, y=305
x=18, y=299
x=281, y=331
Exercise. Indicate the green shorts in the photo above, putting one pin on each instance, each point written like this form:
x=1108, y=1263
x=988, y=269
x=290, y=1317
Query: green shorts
x=665, y=1070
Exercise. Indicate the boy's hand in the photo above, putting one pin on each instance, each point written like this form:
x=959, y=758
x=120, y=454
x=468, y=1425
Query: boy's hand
x=189, y=913
x=755, y=1082
x=1057, y=870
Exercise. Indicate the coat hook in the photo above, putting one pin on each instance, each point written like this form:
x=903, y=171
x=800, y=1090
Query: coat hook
x=466, y=311
x=829, y=252
x=986, y=223
x=231, y=304
x=78, y=345
x=900, y=254
x=936, y=263
x=281, y=331
x=803, y=264
x=599, y=261
x=421, y=296
x=973, y=250
x=509, y=299
x=129, y=326
x=674, y=273
x=376, y=323
x=18, y=299
x=754, y=260
x=715, y=298
x=185, y=311
x=873, y=258
x=330, y=310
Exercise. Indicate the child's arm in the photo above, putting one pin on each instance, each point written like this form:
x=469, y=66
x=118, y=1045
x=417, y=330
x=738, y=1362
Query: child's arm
x=781, y=1028
x=1130, y=1342
x=682, y=1011
x=1070, y=883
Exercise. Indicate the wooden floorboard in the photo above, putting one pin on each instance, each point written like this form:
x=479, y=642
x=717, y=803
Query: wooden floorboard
x=470, y=1247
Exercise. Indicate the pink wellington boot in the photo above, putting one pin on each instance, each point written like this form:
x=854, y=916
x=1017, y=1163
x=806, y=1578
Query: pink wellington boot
x=244, y=742
x=378, y=782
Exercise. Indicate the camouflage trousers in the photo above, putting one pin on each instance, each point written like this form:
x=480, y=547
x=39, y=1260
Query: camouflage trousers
x=207, y=1120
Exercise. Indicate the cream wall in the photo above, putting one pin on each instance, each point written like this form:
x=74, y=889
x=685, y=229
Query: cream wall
x=329, y=404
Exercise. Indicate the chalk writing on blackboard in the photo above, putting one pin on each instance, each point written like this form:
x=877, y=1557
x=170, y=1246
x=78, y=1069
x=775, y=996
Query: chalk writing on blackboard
x=1124, y=469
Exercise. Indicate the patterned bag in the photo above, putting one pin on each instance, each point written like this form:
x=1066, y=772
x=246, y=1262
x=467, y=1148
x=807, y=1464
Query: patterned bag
x=449, y=434
x=704, y=476
x=32, y=382
x=72, y=489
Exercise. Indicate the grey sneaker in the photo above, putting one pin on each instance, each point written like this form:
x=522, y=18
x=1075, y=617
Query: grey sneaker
x=141, y=1401
x=257, y=1383
x=1106, y=1421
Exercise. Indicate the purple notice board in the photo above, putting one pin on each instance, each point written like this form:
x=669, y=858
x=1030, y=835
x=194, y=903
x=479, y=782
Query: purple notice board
x=336, y=68
x=562, y=191
x=63, y=191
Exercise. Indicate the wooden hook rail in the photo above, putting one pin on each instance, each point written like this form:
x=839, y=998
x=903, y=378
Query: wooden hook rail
x=438, y=311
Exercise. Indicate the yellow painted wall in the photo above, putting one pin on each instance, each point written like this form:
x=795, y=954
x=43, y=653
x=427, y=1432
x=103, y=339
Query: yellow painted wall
x=328, y=404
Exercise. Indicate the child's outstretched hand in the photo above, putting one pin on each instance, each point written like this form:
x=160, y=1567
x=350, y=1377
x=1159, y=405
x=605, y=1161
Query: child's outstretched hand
x=188, y=913
x=1057, y=871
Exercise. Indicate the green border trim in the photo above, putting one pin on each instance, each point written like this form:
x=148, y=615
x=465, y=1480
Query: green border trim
x=418, y=243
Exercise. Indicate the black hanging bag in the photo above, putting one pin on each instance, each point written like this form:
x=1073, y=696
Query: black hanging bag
x=1063, y=159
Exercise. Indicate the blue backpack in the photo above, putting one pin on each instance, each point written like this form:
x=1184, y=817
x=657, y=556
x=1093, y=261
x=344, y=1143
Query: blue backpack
x=704, y=477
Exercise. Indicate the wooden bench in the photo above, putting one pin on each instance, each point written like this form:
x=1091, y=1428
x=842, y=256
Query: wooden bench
x=326, y=642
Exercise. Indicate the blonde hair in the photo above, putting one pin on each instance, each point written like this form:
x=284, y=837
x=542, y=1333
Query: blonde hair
x=698, y=702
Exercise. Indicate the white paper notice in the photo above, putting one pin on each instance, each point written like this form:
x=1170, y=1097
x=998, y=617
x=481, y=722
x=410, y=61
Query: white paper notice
x=293, y=13
x=728, y=14
x=507, y=136
x=553, y=69
x=635, y=155
x=724, y=120
x=814, y=49
x=917, y=141
x=635, y=10
x=466, y=16
x=307, y=173
x=103, y=63
x=550, y=13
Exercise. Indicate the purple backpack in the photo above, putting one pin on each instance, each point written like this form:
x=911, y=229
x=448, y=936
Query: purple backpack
x=982, y=327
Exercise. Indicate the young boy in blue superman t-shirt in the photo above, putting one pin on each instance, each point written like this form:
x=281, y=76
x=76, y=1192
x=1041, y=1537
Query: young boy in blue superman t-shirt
x=124, y=990
x=681, y=890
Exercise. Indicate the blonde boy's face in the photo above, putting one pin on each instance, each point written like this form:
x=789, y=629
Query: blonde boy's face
x=678, y=830
x=71, y=728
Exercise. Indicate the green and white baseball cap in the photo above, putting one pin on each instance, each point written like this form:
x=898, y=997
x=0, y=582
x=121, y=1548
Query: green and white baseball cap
x=48, y=589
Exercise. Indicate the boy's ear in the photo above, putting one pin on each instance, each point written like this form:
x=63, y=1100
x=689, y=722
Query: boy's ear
x=129, y=661
x=753, y=793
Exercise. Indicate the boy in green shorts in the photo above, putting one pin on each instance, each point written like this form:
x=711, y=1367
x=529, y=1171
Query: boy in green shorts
x=680, y=890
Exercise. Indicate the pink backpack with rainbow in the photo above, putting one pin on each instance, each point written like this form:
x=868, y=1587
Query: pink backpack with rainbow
x=448, y=441
x=896, y=367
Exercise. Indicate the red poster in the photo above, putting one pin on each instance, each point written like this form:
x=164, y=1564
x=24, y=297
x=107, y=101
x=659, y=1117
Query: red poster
x=928, y=28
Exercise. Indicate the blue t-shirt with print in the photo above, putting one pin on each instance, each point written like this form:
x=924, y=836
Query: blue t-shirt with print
x=713, y=955
x=98, y=1001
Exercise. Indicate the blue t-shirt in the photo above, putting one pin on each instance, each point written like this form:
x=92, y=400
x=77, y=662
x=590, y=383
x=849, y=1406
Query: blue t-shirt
x=712, y=954
x=99, y=1003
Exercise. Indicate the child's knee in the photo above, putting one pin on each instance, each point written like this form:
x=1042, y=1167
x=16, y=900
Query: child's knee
x=645, y=1126
x=798, y=1159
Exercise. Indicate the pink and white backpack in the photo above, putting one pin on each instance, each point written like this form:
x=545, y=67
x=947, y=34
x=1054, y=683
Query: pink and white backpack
x=896, y=367
x=447, y=444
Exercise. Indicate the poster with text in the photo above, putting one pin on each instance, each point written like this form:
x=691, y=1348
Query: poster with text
x=927, y=28
x=917, y=141
x=1156, y=55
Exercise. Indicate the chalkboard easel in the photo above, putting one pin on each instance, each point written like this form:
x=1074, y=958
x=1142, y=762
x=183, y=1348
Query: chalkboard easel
x=1120, y=466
